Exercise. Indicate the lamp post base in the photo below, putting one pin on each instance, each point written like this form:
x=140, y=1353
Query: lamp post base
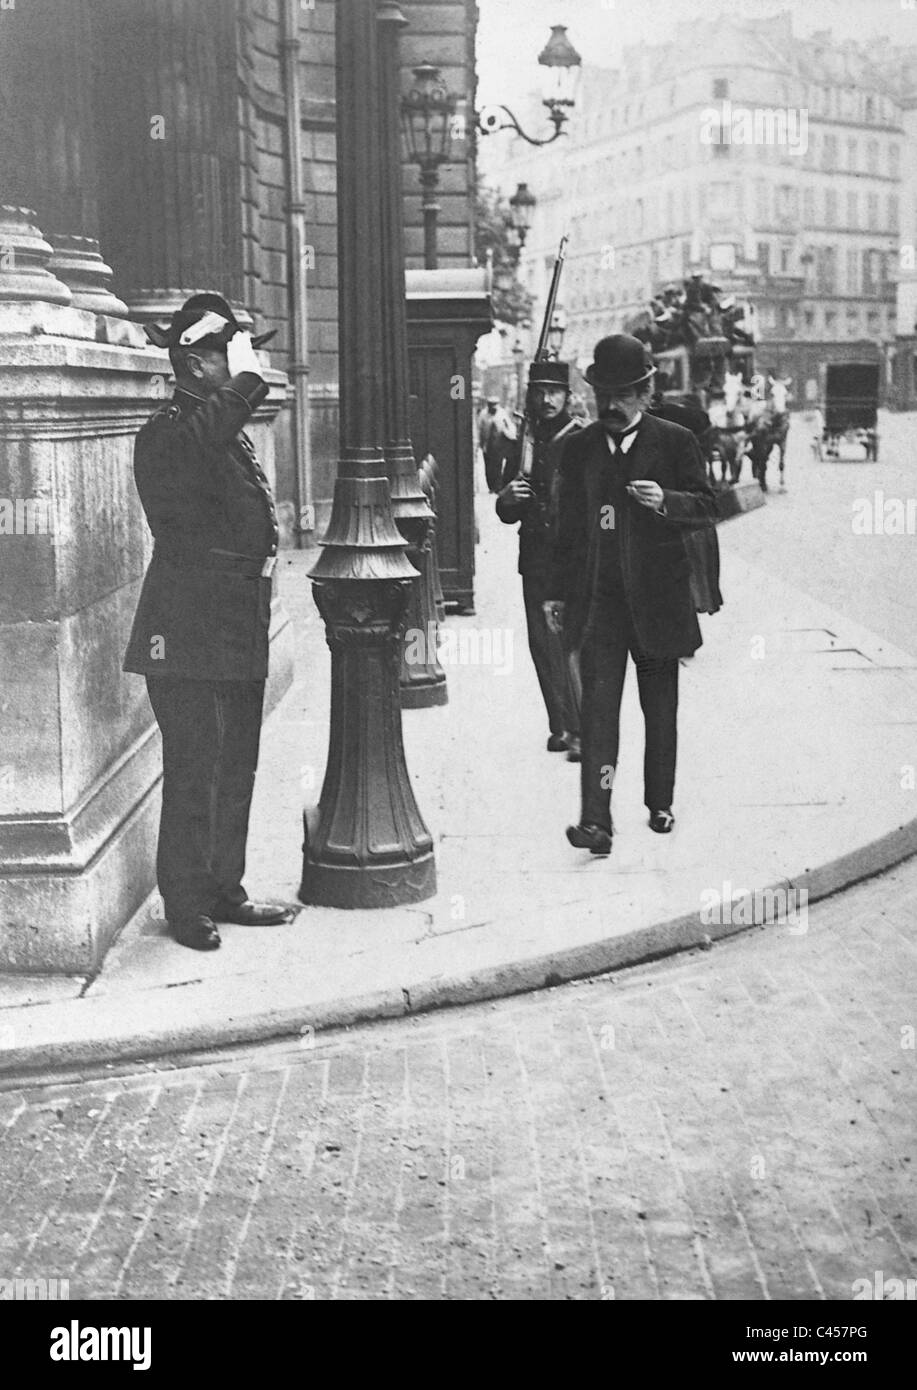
x=370, y=846
x=340, y=885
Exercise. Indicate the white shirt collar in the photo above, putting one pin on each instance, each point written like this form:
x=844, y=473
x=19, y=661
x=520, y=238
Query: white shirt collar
x=627, y=442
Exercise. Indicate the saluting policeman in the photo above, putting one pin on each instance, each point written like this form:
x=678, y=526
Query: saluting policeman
x=200, y=634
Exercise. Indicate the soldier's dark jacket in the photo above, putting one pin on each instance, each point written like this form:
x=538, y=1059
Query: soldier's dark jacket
x=538, y=517
x=205, y=606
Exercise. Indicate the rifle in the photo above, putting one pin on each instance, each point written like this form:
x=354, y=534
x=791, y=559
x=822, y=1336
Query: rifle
x=527, y=450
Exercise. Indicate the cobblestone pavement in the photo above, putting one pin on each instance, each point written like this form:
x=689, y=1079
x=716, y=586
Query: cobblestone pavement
x=739, y=1123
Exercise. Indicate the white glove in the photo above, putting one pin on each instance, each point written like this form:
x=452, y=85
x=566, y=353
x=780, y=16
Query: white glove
x=240, y=355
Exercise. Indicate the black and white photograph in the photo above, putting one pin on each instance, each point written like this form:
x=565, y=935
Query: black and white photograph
x=458, y=666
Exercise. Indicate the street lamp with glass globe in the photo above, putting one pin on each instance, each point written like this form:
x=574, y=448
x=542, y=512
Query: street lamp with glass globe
x=561, y=70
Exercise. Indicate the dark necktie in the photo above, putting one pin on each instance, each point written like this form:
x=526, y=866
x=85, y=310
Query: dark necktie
x=617, y=435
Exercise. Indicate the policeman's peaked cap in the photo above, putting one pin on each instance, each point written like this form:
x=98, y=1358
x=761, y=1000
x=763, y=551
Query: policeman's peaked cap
x=222, y=324
x=550, y=374
x=621, y=361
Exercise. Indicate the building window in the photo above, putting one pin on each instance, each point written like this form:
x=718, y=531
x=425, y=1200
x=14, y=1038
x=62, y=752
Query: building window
x=853, y=210
x=892, y=220
x=826, y=269
x=787, y=202
x=762, y=201
x=808, y=206
x=809, y=317
x=786, y=254
x=872, y=272
x=872, y=156
x=894, y=160
x=830, y=321
x=830, y=207
x=720, y=88
x=852, y=154
x=764, y=257
x=872, y=321
x=829, y=152
x=853, y=272
x=872, y=211
x=870, y=109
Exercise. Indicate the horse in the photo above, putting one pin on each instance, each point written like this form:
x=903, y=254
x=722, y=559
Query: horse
x=769, y=433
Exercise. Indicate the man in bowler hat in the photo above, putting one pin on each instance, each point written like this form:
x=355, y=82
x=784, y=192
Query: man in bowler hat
x=631, y=485
x=200, y=634
x=532, y=501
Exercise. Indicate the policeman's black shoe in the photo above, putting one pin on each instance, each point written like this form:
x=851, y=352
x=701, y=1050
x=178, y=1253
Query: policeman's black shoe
x=595, y=838
x=198, y=933
x=557, y=743
x=661, y=822
x=574, y=749
x=249, y=914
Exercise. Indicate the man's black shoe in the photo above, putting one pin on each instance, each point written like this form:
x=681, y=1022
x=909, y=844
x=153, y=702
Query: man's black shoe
x=199, y=933
x=661, y=822
x=249, y=914
x=557, y=743
x=595, y=838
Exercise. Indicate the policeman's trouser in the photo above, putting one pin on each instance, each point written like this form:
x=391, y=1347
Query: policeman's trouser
x=603, y=664
x=550, y=659
x=210, y=736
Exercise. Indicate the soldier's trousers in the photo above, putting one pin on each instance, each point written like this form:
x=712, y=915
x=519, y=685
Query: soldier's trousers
x=550, y=659
x=211, y=731
x=603, y=663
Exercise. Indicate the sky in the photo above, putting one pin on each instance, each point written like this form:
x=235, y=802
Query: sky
x=512, y=33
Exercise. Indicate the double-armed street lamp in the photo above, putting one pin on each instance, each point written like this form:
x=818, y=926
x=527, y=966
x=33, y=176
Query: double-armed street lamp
x=430, y=123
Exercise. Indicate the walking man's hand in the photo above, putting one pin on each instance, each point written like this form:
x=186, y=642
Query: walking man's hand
x=554, y=616
x=647, y=493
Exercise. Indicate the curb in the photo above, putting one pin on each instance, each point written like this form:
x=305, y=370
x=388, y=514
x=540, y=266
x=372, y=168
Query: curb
x=683, y=933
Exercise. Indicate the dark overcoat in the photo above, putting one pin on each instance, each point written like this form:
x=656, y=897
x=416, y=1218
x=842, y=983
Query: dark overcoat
x=205, y=607
x=654, y=561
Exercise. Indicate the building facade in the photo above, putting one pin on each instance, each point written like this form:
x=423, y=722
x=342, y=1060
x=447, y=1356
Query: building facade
x=152, y=149
x=773, y=164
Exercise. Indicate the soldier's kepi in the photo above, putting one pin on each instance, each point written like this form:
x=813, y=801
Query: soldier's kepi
x=200, y=634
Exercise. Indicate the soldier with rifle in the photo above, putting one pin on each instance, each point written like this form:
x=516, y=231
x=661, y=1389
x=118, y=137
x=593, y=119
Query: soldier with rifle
x=529, y=497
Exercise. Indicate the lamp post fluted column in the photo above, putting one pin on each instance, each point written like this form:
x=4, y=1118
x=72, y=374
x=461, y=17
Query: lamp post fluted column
x=423, y=680
x=368, y=846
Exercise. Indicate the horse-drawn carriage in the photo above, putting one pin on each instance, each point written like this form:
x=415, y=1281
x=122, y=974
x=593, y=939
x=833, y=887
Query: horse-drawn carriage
x=703, y=349
x=851, y=409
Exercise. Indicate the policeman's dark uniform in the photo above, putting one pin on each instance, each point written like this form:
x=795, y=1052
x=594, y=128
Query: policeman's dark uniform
x=537, y=517
x=200, y=634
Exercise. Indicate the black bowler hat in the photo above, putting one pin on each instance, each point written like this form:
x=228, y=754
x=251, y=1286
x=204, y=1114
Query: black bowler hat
x=620, y=362
x=550, y=374
x=203, y=321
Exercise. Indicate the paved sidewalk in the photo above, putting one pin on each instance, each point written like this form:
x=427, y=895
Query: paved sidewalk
x=733, y=1124
x=796, y=741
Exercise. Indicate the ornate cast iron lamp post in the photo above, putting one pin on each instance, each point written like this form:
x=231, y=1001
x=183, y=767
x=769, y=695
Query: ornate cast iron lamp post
x=427, y=114
x=369, y=846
